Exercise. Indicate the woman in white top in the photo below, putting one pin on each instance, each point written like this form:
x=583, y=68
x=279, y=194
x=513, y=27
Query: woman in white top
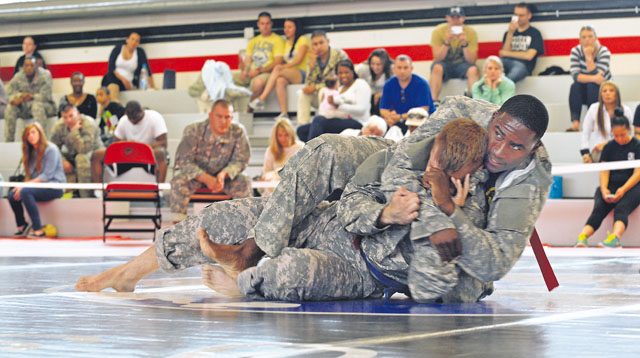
x=353, y=105
x=376, y=71
x=282, y=145
x=125, y=65
x=596, y=129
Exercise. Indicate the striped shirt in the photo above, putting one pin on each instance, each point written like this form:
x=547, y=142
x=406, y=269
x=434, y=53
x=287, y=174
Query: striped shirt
x=579, y=62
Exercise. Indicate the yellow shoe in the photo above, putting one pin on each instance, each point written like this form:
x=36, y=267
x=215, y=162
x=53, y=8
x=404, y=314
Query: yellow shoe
x=582, y=241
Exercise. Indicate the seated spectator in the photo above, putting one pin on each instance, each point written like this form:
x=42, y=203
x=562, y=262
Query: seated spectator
x=636, y=122
x=212, y=154
x=521, y=44
x=322, y=62
x=402, y=92
x=415, y=117
x=375, y=126
x=282, y=145
x=376, y=71
x=108, y=114
x=619, y=189
x=589, y=68
x=125, y=64
x=42, y=164
x=494, y=86
x=353, y=104
x=293, y=71
x=84, y=102
x=455, y=51
x=264, y=52
x=596, y=129
x=29, y=97
x=29, y=49
x=77, y=137
x=3, y=99
x=138, y=125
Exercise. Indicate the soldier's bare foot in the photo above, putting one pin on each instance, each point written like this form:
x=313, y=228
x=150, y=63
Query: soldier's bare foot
x=232, y=258
x=113, y=278
x=217, y=279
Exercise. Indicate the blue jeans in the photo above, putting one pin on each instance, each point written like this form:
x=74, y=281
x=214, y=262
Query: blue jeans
x=321, y=125
x=514, y=69
x=28, y=198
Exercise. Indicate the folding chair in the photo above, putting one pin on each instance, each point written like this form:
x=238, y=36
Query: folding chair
x=133, y=168
x=204, y=195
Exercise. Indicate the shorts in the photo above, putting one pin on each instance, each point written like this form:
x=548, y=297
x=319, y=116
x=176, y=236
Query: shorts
x=450, y=70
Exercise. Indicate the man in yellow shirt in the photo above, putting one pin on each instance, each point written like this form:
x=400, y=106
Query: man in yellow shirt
x=264, y=52
x=455, y=51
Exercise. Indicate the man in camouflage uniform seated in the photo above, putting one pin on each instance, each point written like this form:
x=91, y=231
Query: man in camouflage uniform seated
x=516, y=159
x=29, y=97
x=77, y=137
x=212, y=154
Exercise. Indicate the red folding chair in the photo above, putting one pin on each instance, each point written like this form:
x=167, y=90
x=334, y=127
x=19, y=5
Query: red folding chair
x=122, y=158
x=204, y=195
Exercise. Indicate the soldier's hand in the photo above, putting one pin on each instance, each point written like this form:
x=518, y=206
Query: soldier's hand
x=402, y=209
x=462, y=189
x=26, y=97
x=438, y=181
x=448, y=244
x=221, y=177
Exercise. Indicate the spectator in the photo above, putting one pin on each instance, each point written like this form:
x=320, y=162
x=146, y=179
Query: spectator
x=84, y=102
x=402, y=92
x=293, y=71
x=125, y=65
x=322, y=62
x=29, y=49
x=636, y=122
x=3, y=99
x=77, y=137
x=619, y=189
x=108, y=115
x=521, y=44
x=352, y=105
x=282, y=145
x=212, y=154
x=494, y=86
x=138, y=125
x=29, y=96
x=42, y=164
x=596, y=129
x=375, y=126
x=589, y=68
x=415, y=117
x=376, y=71
x=264, y=52
x=455, y=51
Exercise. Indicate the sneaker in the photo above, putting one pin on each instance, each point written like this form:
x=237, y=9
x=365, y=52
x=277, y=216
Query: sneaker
x=23, y=232
x=612, y=241
x=33, y=235
x=436, y=103
x=97, y=193
x=256, y=104
x=572, y=129
x=582, y=241
x=283, y=116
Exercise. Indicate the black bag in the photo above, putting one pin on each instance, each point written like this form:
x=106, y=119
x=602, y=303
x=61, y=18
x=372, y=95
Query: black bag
x=553, y=71
x=18, y=175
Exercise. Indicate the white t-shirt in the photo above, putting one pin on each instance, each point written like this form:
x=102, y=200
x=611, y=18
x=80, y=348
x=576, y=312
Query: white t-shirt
x=146, y=131
x=127, y=68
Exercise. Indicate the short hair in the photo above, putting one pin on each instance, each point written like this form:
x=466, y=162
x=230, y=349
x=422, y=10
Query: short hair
x=220, y=101
x=132, y=107
x=465, y=143
x=345, y=62
x=404, y=58
x=105, y=89
x=66, y=107
x=529, y=7
x=317, y=33
x=527, y=110
x=619, y=119
x=264, y=13
x=78, y=73
x=32, y=59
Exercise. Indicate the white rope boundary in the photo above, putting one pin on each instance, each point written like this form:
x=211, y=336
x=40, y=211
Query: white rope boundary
x=556, y=170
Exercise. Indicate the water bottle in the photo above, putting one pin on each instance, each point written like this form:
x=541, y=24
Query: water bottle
x=144, y=77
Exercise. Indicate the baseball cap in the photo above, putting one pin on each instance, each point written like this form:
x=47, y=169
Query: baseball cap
x=455, y=11
x=416, y=116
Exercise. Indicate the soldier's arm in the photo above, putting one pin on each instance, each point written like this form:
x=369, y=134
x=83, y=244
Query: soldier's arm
x=44, y=92
x=241, y=154
x=13, y=90
x=83, y=138
x=186, y=154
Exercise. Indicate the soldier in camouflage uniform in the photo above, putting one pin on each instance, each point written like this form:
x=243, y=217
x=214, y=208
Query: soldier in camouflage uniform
x=77, y=137
x=29, y=97
x=212, y=153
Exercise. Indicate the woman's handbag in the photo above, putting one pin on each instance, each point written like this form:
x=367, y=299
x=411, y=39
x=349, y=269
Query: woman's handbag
x=18, y=174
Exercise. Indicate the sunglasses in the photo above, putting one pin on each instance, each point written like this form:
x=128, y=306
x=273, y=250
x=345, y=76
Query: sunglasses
x=402, y=97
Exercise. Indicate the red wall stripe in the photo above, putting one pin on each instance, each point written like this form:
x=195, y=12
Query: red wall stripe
x=560, y=47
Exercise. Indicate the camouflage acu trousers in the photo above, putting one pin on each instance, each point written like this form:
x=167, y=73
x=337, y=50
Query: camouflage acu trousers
x=182, y=187
x=82, y=165
x=323, y=165
x=30, y=109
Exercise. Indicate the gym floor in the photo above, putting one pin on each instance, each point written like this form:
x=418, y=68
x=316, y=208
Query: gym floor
x=595, y=312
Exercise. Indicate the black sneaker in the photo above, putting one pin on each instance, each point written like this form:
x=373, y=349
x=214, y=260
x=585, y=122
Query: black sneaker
x=24, y=231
